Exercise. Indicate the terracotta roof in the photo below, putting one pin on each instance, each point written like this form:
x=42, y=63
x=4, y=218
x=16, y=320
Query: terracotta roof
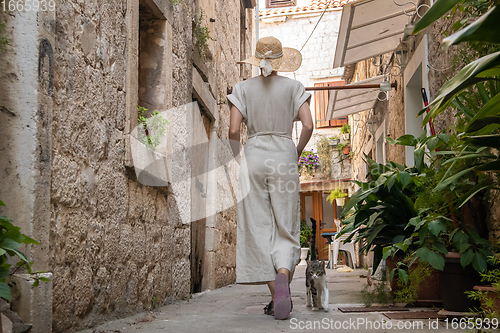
x=313, y=6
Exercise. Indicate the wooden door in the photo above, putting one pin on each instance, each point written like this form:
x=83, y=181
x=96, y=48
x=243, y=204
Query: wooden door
x=314, y=204
x=199, y=170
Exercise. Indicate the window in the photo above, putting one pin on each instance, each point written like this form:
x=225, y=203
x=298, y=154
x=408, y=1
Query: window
x=280, y=3
x=321, y=106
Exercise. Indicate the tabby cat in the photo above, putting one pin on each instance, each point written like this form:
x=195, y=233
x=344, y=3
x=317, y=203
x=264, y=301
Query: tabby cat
x=316, y=278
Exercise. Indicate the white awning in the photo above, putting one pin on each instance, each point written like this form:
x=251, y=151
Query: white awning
x=345, y=102
x=369, y=28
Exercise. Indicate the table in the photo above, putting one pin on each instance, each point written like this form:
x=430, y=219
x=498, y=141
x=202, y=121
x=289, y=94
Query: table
x=329, y=239
x=329, y=236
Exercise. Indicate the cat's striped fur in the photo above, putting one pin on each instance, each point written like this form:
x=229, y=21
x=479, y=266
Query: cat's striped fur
x=317, y=294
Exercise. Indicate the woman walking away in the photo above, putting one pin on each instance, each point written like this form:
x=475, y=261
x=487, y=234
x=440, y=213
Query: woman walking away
x=267, y=245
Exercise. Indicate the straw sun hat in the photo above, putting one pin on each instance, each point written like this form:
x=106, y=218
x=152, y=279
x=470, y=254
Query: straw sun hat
x=271, y=56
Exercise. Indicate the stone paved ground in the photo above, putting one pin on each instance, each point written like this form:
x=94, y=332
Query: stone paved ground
x=238, y=308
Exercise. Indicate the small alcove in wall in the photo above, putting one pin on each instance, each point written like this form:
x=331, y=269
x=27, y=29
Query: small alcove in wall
x=149, y=82
x=415, y=78
x=155, y=59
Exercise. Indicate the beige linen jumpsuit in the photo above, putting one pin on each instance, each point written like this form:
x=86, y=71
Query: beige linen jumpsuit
x=268, y=228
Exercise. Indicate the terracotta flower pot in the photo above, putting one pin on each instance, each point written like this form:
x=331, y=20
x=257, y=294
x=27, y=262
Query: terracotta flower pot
x=492, y=293
x=346, y=150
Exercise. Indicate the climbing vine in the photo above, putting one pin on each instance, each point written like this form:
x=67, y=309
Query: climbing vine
x=201, y=34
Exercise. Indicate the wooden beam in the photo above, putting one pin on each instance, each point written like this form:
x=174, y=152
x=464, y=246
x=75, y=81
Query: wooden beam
x=351, y=86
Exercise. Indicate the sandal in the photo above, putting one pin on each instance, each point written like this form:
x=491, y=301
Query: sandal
x=282, y=299
x=268, y=309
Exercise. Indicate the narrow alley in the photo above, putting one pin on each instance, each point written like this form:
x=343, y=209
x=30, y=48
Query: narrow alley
x=157, y=155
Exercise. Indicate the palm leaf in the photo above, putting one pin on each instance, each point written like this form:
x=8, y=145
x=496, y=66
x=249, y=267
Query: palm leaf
x=492, y=140
x=491, y=166
x=472, y=192
x=452, y=179
x=480, y=123
x=437, y=10
x=463, y=79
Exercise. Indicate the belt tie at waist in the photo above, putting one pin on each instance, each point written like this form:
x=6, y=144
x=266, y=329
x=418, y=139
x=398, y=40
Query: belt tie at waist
x=282, y=134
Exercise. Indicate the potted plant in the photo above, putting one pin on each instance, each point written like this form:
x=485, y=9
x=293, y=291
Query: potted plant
x=308, y=163
x=334, y=140
x=305, y=236
x=345, y=130
x=474, y=96
x=338, y=195
x=343, y=148
x=445, y=235
x=489, y=295
x=416, y=282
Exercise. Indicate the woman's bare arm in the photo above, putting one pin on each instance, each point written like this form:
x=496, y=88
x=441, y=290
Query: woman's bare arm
x=234, y=130
x=307, y=127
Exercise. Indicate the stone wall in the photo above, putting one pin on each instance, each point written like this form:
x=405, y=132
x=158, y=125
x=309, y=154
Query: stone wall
x=226, y=50
x=114, y=245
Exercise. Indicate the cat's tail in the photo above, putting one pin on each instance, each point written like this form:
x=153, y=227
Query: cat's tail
x=313, y=240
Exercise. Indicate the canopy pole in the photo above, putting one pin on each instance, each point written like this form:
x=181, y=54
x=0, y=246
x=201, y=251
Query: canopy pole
x=352, y=86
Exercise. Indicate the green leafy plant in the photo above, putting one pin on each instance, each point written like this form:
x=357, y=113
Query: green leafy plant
x=308, y=162
x=482, y=130
x=155, y=302
x=408, y=284
x=305, y=233
x=488, y=298
x=445, y=220
x=175, y=2
x=345, y=129
x=201, y=34
x=378, y=292
x=11, y=240
x=4, y=40
x=336, y=193
x=382, y=208
x=152, y=129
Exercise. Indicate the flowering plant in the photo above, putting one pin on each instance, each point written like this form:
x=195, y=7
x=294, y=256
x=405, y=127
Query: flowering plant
x=308, y=162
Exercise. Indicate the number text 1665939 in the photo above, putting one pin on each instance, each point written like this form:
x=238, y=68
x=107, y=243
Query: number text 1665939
x=28, y=5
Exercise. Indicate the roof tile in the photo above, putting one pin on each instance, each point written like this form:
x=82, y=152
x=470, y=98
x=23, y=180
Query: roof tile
x=313, y=5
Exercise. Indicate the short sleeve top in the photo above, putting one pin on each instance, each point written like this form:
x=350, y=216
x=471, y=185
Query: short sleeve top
x=269, y=104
